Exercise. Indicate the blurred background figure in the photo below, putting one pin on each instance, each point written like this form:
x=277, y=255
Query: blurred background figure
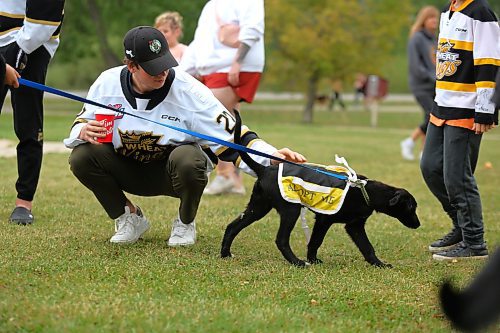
x=228, y=55
x=476, y=306
x=359, y=88
x=170, y=24
x=336, y=95
x=422, y=71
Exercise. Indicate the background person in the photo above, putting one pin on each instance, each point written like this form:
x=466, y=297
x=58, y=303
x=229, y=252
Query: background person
x=170, y=24
x=228, y=53
x=29, y=37
x=476, y=306
x=468, y=57
x=147, y=159
x=336, y=95
x=422, y=71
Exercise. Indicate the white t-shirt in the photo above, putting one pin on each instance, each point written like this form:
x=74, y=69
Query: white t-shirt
x=206, y=55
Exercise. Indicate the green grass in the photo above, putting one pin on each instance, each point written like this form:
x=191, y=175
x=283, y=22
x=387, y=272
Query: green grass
x=62, y=275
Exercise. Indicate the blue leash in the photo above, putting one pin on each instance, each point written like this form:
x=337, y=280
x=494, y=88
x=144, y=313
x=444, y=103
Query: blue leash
x=55, y=91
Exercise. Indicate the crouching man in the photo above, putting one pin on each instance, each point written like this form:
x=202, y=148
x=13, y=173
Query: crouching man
x=144, y=157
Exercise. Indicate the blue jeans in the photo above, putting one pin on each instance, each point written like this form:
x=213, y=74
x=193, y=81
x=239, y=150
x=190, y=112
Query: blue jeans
x=448, y=163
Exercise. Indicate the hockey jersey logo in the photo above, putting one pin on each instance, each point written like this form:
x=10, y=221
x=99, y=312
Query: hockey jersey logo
x=142, y=147
x=448, y=61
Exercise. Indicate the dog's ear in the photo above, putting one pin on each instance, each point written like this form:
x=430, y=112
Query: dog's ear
x=395, y=199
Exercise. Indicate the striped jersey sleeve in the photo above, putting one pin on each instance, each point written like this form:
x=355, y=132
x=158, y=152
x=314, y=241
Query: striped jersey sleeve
x=31, y=23
x=468, y=58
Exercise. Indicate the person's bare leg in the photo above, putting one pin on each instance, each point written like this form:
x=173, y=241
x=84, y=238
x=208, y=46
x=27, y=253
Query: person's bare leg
x=230, y=100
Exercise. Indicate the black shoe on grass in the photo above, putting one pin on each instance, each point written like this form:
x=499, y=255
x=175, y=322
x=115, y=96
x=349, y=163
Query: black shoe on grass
x=21, y=216
x=461, y=252
x=448, y=242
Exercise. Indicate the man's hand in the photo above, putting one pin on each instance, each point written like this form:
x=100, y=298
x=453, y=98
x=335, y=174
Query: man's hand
x=16, y=57
x=91, y=131
x=11, y=76
x=482, y=128
x=288, y=155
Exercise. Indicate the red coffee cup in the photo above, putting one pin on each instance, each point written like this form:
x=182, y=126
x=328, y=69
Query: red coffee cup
x=108, y=119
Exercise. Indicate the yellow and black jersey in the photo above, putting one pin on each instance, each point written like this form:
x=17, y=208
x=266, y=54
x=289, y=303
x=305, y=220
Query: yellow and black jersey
x=468, y=57
x=31, y=23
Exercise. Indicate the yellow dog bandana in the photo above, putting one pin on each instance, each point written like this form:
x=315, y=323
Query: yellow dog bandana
x=319, y=192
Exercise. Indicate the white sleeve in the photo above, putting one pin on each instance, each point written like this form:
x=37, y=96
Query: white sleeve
x=86, y=114
x=251, y=21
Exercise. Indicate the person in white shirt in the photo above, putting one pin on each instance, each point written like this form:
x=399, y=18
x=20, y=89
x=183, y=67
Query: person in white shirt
x=148, y=159
x=227, y=54
x=170, y=24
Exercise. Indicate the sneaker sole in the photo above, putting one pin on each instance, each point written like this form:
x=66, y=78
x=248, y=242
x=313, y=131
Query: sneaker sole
x=180, y=244
x=442, y=249
x=455, y=259
x=124, y=241
x=22, y=222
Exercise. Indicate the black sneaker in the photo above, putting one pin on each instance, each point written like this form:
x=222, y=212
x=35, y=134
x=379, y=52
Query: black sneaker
x=462, y=251
x=21, y=216
x=448, y=242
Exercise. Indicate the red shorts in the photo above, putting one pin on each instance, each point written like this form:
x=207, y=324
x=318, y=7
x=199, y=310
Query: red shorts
x=249, y=82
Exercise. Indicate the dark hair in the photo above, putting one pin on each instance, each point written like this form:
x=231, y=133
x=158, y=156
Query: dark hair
x=127, y=61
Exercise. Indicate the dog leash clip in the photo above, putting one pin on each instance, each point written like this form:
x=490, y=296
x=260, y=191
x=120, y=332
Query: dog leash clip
x=352, y=178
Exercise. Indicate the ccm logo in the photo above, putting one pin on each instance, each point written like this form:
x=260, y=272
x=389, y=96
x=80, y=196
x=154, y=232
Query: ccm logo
x=171, y=118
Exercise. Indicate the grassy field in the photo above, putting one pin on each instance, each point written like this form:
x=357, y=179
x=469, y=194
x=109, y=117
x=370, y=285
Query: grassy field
x=62, y=275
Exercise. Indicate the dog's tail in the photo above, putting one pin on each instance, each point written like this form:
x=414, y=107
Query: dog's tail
x=256, y=167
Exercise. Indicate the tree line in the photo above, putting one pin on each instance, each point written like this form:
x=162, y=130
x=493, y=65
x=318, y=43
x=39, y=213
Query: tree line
x=306, y=40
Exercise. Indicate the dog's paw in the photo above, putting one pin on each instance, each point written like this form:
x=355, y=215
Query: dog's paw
x=226, y=254
x=315, y=261
x=300, y=263
x=382, y=265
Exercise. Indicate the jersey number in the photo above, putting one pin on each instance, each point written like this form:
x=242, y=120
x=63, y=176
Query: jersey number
x=224, y=117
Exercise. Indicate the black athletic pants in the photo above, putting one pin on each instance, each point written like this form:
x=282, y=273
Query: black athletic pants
x=27, y=105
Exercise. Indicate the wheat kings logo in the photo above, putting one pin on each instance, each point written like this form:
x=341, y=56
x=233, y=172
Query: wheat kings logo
x=142, y=147
x=448, y=61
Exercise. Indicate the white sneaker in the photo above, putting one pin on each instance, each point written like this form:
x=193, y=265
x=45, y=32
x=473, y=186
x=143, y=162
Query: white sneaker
x=129, y=227
x=407, y=146
x=182, y=234
x=240, y=191
x=219, y=185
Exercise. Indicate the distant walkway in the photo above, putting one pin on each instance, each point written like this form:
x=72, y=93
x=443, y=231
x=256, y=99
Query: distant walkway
x=279, y=96
x=8, y=148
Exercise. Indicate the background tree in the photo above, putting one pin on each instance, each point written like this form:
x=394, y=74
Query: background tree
x=309, y=40
x=93, y=30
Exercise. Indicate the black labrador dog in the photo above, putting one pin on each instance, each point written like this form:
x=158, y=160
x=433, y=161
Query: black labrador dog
x=395, y=202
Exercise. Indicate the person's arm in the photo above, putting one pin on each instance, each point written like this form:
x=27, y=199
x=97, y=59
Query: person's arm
x=486, y=54
x=251, y=23
x=42, y=21
x=217, y=122
x=85, y=128
x=418, y=51
x=43, y=18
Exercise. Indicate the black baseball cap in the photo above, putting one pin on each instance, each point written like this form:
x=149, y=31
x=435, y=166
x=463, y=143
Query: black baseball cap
x=148, y=47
